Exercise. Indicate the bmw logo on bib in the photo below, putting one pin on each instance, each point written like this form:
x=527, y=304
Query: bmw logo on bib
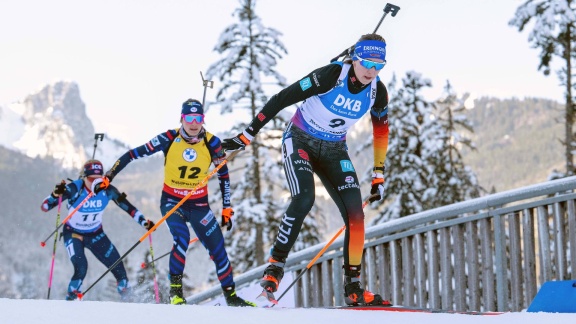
x=189, y=155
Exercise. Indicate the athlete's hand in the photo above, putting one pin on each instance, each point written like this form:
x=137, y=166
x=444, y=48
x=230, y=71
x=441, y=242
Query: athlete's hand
x=238, y=142
x=227, y=214
x=147, y=224
x=377, y=191
x=59, y=189
x=100, y=184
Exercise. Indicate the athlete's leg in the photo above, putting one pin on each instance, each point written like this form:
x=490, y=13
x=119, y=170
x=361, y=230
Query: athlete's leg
x=207, y=229
x=299, y=175
x=75, y=248
x=338, y=175
x=180, y=234
x=103, y=249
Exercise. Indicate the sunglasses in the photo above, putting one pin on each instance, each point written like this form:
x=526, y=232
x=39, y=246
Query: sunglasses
x=199, y=119
x=370, y=64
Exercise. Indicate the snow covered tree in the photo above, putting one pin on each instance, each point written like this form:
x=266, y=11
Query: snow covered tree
x=424, y=168
x=450, y=180
x=554, y=34
x=260, y=196
x=405, y=173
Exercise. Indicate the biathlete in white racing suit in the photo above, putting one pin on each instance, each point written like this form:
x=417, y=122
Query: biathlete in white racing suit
x=335, y=97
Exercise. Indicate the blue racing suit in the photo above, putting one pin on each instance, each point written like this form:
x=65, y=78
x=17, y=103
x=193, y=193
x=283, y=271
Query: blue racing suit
x=186, y=165
x=84, y=230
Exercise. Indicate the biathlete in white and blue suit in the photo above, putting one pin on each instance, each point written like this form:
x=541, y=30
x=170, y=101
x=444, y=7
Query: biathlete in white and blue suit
x=84, y=228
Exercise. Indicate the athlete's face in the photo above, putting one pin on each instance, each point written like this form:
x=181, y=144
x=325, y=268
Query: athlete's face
x=363, y=74
x=89, y=179
x=192, y=123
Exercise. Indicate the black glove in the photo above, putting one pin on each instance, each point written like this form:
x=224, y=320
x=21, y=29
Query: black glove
x=377, y=191
x=236, y=143
x=227, y=214
x=148, y=224
x=59, y=189
x=109, y=175
x=100, y=184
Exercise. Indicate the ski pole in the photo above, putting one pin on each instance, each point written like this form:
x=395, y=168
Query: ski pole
x=154, y=271
x=55, y=243
x=389, y=8
x=43, y=243
x=202, y=183
x=145, y=264
x=97, y=136
x=311, y=263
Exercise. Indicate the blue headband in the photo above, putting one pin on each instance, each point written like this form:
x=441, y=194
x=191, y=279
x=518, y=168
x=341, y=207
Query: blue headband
x=370, y=49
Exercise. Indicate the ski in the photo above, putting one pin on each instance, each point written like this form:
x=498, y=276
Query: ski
x=267, y=295
x=412, y=309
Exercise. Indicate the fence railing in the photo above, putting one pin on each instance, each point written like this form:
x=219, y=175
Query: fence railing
x=486, y=254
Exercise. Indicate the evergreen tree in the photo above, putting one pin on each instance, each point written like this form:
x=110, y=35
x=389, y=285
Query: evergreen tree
x=424, y=167
x=405, y=173
x=554, y=34
x=450, y=180
x=251, y=53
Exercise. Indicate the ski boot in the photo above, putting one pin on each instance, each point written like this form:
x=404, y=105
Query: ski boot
x=354, y=295
x=176, y=294
x=72, y=295
x=234, y=300
x=273, y=274
x=124, y=290
x=74, y=289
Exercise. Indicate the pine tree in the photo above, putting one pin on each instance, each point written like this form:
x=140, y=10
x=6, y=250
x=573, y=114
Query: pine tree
x=405, y=174
x=554, y=34
x=424, y=167
x=450, y=180
x=252, y=51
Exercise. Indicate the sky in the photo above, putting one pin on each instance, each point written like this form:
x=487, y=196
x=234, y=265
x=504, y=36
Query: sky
x=92, y=312
x=136, y=61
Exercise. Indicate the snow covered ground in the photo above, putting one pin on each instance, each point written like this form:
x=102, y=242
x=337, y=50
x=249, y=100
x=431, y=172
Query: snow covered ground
x=19, y=311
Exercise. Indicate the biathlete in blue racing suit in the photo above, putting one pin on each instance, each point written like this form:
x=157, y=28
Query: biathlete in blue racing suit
x=84, y=228
x=189, y=151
